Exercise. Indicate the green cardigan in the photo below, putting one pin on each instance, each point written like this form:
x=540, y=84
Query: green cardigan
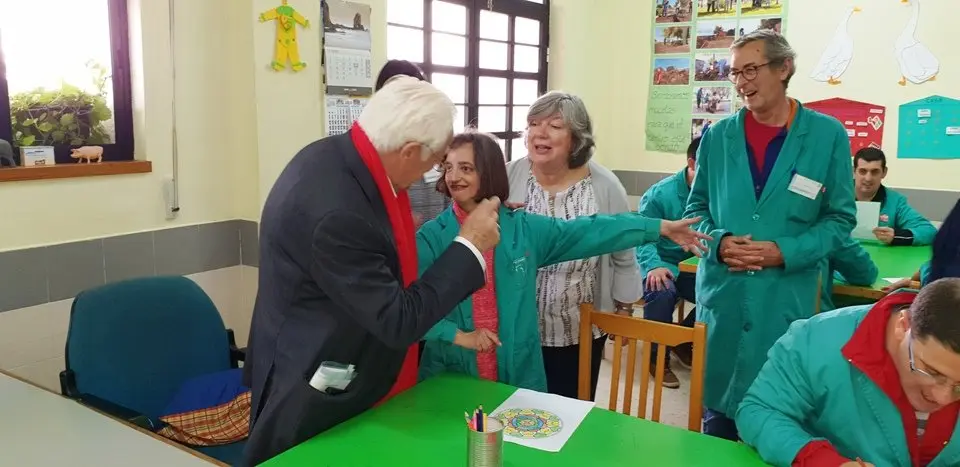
x=527, y=243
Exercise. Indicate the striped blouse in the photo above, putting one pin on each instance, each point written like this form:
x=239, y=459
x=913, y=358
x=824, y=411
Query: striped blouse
x=562, y=287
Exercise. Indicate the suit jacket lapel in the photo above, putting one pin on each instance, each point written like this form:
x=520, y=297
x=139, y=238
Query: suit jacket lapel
x=361, y=174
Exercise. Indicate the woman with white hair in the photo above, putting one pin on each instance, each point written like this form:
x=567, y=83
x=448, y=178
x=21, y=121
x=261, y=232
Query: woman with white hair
x=558, y=179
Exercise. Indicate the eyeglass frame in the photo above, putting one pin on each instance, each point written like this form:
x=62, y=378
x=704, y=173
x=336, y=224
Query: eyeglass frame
x=940, y=381
x=749, y=72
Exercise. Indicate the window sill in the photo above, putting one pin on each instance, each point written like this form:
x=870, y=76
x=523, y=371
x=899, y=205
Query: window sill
x=74, y=170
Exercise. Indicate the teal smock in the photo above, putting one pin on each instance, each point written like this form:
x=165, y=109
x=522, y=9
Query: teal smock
x=808, y=390
x=746, y=312
x=849, y=263
x=527, y=243
x=666, y=199
x=895, y=212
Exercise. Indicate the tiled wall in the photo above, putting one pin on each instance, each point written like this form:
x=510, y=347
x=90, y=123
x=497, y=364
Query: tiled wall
x=934, y=204
x=37, y=285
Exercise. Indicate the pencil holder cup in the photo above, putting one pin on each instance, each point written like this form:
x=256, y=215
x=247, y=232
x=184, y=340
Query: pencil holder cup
x=485, y=448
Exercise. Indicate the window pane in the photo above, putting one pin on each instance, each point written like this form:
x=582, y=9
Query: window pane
x=405, y=44
x=526, y=31
x=59, y=81
x=520, y=117
x=493, y=91
x=493, y=25
x=409, y=12
x=493, y=55
x=461, y=119
x=454, y=86
x=518, y=148
x=448, y=49
x=525, y=91
x=449, y=17
x=536, y=1
x=526, y=58
x=492, y=119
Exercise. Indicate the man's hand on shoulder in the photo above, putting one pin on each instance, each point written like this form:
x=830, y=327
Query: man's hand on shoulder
x=481, y=228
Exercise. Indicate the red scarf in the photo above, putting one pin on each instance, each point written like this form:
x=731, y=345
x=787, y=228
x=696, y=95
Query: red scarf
x=401, y=221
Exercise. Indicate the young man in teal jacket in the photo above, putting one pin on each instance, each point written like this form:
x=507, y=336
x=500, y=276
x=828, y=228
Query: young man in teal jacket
x=899, y=223
x=874, y=384
x=773, y=188
x=663, y=283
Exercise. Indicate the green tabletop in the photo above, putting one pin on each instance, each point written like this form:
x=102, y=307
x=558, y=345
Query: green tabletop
x=892, y=261
x=424, y=426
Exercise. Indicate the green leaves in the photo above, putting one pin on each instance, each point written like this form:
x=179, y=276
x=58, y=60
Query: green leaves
x=65, y=115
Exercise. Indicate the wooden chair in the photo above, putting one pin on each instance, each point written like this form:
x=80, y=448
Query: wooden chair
x=650, y=332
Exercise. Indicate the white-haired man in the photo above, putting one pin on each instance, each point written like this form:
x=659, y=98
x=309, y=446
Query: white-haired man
x=338, y=269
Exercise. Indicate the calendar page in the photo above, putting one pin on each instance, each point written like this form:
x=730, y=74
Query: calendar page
x=342, y=111
x=348, y=68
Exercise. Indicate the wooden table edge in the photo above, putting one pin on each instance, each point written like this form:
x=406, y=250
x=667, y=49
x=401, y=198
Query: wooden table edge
x=124, y=422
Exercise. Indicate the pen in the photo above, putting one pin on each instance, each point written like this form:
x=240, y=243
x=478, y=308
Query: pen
x=480, y=419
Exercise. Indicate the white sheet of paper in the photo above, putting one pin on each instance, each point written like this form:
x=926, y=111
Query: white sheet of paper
x=891, y=280
x=570, y=411
x=868, y=218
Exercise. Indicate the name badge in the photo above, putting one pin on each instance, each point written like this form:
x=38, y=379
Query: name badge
x=804, y=186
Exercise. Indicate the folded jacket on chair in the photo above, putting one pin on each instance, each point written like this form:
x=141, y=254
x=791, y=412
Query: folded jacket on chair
x=208, y=410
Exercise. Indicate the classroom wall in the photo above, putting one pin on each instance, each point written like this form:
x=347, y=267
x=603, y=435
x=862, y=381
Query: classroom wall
x=622, y=31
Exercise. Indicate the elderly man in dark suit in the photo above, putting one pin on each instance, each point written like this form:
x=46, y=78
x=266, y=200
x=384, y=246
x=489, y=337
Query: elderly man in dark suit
x=338, y=269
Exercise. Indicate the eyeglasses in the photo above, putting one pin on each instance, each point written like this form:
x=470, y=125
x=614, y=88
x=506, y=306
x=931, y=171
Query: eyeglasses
x=940, y=380
x=749, y=72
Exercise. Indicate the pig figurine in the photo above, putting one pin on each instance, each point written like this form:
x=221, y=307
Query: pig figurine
x=87, y=153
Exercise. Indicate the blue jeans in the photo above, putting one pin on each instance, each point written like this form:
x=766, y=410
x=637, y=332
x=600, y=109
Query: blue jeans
x=659, y=304
x=718, y=425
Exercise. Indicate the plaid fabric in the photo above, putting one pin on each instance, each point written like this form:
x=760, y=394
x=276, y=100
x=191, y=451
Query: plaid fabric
x=223, y=424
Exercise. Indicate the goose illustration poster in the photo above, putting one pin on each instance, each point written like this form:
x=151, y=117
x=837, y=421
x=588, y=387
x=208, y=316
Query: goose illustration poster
x=838, y=53
x=862, y=120
x=689, y=85
x=929, y=129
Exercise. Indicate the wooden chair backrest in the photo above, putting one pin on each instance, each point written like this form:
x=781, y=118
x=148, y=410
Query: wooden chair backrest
x=650, y=332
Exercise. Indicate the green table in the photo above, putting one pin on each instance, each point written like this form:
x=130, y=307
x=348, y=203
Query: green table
x=424, y=426
x=892, y=261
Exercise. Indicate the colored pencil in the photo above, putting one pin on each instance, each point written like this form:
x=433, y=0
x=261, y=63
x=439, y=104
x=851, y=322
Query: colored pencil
x=466, y=417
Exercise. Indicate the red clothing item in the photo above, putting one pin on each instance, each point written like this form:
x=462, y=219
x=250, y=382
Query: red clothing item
x=759, y=137
x=401, y=222
x=485, y=314
x=866, y=350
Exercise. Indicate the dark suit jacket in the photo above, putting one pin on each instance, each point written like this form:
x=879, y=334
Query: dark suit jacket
x=330, y=290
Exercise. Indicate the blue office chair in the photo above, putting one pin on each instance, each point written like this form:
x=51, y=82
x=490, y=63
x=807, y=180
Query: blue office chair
x=132, y=344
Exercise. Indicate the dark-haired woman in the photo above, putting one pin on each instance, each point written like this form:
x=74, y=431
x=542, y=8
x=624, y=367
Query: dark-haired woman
x=495, y=334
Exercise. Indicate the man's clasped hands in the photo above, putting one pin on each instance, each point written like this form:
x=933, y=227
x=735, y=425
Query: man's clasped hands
x=742, y=253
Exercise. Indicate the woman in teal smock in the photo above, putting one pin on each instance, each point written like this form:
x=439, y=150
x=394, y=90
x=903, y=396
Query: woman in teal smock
x=495, y=334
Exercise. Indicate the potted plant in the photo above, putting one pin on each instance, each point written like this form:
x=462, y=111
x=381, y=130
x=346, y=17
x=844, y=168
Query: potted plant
x=64, y=116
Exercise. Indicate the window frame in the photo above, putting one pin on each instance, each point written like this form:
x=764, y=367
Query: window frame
x=122, y=149
x=473, y=72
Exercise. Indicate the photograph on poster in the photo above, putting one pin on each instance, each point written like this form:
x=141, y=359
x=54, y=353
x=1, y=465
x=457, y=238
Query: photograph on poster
x=712, y=100
x=716, y=8
x=760, y=7
x=711, y=67
x=716, y=34
x=671, y=71
x=671, y=40
x=673, y=11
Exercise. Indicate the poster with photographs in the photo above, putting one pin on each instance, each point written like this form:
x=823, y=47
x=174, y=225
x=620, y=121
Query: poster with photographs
x=689, y=85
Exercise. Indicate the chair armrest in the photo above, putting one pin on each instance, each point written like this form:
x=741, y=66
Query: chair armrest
x=237, y=354
x=116, y=411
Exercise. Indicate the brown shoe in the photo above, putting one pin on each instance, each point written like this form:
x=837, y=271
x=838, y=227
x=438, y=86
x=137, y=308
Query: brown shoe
x=670, y=379
x=684, y=355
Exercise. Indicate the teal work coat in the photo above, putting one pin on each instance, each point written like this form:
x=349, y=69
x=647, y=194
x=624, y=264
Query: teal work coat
x=808, y=390
x=895, y=212
x=527, y=243
x=666, y=199
x=849, y=263
x=745, y=312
